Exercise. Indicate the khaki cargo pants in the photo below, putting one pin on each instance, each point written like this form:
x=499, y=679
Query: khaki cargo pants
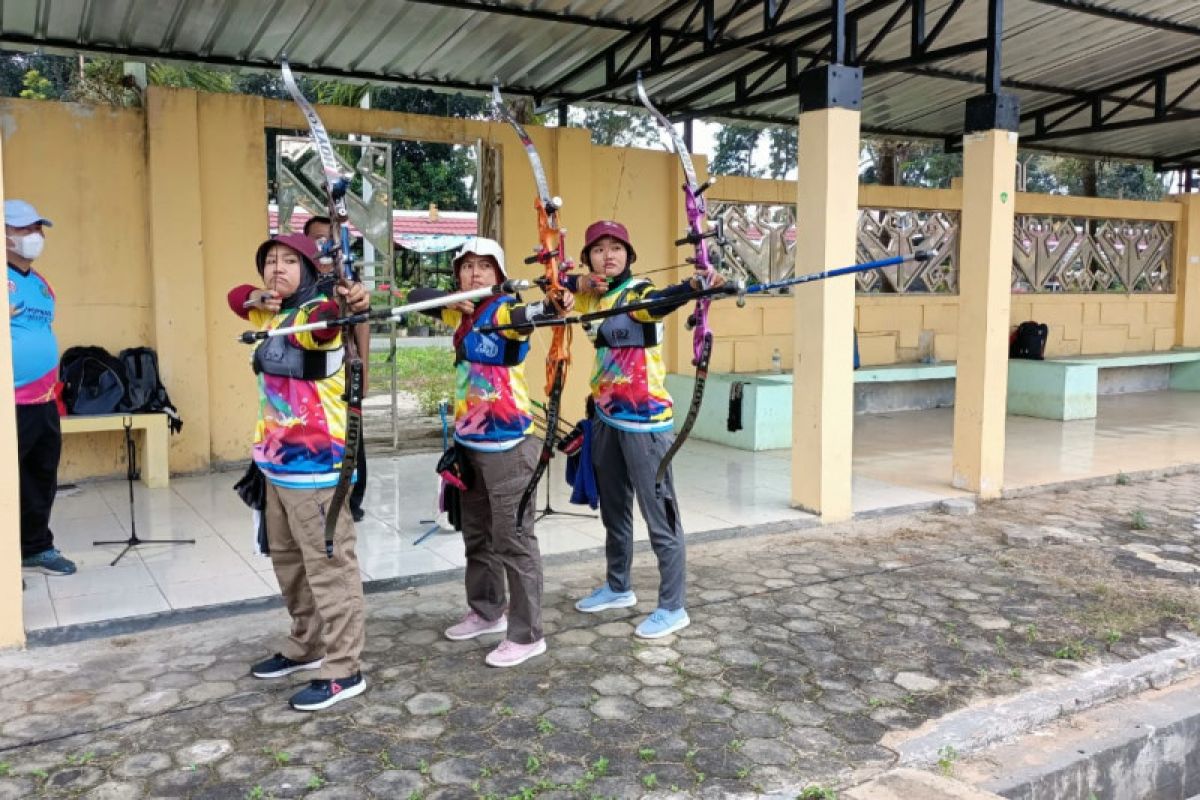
x=324, y=595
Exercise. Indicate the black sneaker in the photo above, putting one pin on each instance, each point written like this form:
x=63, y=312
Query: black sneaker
x=280, y=665
x=323, y=694
x=357, y=514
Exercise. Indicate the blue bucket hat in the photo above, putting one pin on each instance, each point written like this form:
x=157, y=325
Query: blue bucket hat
x=18, y=214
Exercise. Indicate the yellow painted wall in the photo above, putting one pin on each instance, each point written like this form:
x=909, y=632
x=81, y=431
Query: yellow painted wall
x=84, y=167
x=1187, y=260
x=158, y=212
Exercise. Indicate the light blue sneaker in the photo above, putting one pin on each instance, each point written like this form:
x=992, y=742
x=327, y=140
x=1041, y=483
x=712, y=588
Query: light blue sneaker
x=49, y=562
x=605, y=598
x=662, y=623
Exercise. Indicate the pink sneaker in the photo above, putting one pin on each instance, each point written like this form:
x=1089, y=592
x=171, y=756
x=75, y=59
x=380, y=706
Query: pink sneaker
x=473, y=625
x=509, y=654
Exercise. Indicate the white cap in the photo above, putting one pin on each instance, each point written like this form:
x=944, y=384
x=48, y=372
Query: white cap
x=480, y=246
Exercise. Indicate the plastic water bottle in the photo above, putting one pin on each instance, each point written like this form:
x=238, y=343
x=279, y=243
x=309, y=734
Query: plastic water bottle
x=777, y=362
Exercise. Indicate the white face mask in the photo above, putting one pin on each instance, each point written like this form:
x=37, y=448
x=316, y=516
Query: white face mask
x=28, y=246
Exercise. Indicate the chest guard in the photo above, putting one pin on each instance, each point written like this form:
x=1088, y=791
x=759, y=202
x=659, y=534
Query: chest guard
x=622, y=330
x=278, y=356
x=491, y=348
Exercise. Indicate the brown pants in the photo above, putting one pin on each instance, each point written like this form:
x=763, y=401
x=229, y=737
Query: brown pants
x=494, y=549
x=323, y=595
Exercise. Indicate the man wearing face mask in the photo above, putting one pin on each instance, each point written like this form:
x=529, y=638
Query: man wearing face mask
x=35, y=380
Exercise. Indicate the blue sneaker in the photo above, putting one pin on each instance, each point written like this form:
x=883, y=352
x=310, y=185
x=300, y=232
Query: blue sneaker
x=50, y=562
x=323, y=694
x=662, y=623
x=605, y=598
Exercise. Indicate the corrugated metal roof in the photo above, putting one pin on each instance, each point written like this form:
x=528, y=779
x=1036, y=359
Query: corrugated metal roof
x=555, y=50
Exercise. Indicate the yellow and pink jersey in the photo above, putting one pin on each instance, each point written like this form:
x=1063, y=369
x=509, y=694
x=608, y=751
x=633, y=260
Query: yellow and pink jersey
x=301, y=433
x=628, y=383
x=491, y=400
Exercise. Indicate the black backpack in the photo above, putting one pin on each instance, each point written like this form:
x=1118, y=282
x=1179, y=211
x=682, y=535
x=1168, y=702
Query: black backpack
x=144, y=392
x=1029, y=341
x=93, y=381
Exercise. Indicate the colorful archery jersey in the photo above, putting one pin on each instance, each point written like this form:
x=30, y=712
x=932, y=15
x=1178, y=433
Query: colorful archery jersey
x=492, y=411
x=34, y=346
x=300, y=437
x=629, y=378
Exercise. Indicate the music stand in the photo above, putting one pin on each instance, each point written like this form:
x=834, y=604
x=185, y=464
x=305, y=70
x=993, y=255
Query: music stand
x=131, y=472
x=549, y=510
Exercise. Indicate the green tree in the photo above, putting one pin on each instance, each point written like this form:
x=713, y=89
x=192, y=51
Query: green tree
x=1051, y=174
x=102, y=81
x=430, y=172
x=734, y=153
x=617, y=127
x=782, y=153
x=55, y=70
x=37, y=87
x=202, y=79
x=903, y=162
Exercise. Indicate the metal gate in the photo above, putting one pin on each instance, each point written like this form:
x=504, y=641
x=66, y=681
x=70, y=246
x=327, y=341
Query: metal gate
x=298, y=184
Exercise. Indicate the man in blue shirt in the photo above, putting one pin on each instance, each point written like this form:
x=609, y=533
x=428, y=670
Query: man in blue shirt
x=35, y=384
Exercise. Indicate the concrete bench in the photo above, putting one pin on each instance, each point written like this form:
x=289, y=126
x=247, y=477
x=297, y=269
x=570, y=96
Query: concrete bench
x=152, y=457
x=767, y=401
x=1066, y=388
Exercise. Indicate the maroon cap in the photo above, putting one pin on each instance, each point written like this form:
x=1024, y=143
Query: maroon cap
x=303, y=245
x=606, y=227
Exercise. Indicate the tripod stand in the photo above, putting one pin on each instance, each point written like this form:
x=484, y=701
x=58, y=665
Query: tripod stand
x=131, y=472
x=548, y=510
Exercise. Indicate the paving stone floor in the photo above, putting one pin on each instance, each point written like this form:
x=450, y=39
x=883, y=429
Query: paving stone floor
x=806, y=649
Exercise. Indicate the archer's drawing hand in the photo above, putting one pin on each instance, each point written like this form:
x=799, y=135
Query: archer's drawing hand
x=566, y=303
x=266, y=299
x=358, y=299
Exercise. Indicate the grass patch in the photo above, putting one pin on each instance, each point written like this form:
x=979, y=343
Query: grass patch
x=947, y=755
x=425, y=372
x=1110, y=605
x=1073, y=650
x=817, y=793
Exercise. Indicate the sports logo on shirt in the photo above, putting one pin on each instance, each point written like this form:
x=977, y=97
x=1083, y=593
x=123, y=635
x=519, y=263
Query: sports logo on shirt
x=487, y=348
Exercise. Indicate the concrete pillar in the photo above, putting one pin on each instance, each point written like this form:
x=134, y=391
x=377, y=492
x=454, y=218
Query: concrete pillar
x=12, y=625
x=826, y=224
x=985, y=281
x=1187, y=273
x=233, y=194
x=177, y=265
x=572, y=181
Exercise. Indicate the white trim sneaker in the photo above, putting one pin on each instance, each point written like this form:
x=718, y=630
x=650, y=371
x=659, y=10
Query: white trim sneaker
x=279, y=665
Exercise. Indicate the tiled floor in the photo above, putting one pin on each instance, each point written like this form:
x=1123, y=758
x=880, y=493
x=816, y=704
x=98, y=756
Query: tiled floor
x=899, y=459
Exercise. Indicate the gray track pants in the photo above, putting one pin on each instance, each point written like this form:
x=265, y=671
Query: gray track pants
x=626, y=463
